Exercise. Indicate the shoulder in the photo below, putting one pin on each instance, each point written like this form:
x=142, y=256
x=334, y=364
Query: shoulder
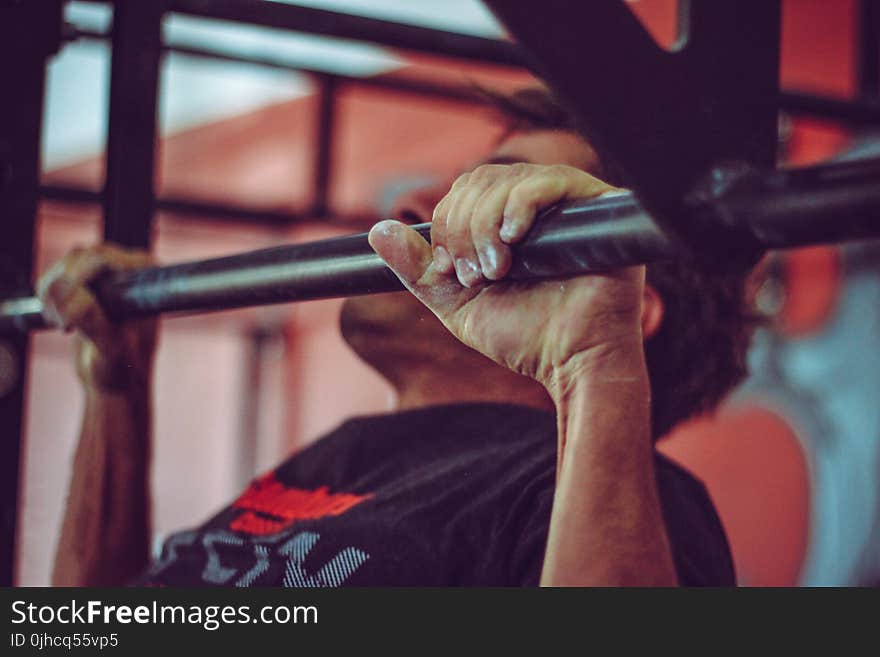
x=697, y=537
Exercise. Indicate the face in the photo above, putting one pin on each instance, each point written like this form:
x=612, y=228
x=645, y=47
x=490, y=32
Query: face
x=397, y=323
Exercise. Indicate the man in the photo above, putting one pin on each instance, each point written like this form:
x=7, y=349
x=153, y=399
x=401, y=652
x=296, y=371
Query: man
x=522, y=449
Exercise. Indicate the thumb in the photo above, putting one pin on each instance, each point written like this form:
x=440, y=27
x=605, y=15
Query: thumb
x=403, y=250
x=410, y=257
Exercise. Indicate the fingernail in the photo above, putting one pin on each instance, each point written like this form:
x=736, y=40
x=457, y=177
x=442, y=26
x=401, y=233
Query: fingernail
x=489, y=260
x=386, y=227
x=468, y=272
x=442, y=260
x=507, y=232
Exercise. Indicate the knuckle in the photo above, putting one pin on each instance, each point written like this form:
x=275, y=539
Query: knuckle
x=481, y=172
x=487, y=172
x=461, y=181
x=561, y=170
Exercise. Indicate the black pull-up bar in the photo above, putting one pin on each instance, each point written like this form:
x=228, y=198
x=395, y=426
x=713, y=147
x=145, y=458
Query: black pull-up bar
x=829, y=203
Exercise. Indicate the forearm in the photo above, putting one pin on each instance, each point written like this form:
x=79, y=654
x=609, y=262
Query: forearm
x=606, y=527
x=106, y=526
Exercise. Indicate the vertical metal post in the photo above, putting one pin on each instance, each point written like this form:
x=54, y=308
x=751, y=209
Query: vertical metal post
x=129, y=193
x=30, y=30
x=869, y=49
x=256, y=339
x=323, y=167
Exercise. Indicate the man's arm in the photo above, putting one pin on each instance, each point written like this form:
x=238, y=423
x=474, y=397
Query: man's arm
x=105, y=532
x=106, y=528
x=581, y=338
x=606, y=527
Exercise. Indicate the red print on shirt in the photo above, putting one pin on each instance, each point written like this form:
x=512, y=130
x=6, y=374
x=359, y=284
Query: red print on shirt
x=270, y=506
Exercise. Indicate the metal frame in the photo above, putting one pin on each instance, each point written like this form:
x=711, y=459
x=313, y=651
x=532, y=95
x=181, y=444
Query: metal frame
x=780, y=209
x=857, y=113
x=869, y=50
x=696, y=212
x=720, y=82
x=323, y=160
x=29, y=33
x=129, y=197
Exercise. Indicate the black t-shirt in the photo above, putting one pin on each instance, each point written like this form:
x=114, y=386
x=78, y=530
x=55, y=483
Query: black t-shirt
x=448, y=495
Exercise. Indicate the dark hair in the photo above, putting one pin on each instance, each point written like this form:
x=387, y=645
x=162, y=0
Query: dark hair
x=698, y=355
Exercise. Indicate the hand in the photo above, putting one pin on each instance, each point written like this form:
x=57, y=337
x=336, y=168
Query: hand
x=543, y=329
x=110, y=356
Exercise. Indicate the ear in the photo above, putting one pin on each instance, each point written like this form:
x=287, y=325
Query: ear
x=652, y=312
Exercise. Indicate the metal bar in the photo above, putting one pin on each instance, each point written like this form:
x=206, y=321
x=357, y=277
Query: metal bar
x=856, y=113
x=861, y=113
x=394, y=82
x=218, y=211
x=257, y=339
x=829, y=203
x=869, y=49
x=359, y=28
x=323, y=147
x=596, y=234
x=131, y=132
x=29, y=33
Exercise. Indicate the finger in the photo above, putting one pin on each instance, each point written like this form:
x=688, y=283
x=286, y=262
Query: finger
x=442, y=260
x=494, y=254
x=537, y=192
x=64, y=287
x=62, y=281
x=403, y=250
x=81, y=311
x=439, y=223
x=458, y=236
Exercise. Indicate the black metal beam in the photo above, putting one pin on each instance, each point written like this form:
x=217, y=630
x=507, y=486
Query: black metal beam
x=339, y=25
x=29, y=33
x=323, y=148
x=359, y=28
x=212, y=210
x=869, y=49
x=393, y=82
x=131, y=133
x=858, y=113
x=780, y=209
x=667, y=119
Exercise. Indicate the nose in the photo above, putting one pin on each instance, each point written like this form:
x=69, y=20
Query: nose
x=416, y=206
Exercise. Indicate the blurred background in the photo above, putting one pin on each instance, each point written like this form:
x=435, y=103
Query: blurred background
x=792, y=460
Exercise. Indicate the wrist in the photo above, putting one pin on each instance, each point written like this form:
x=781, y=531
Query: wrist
x=113, y=373
x=135, y=394
x=611, y=364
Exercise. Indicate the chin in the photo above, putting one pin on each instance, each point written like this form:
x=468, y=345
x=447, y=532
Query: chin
x=394, y=317
x=380, y=314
